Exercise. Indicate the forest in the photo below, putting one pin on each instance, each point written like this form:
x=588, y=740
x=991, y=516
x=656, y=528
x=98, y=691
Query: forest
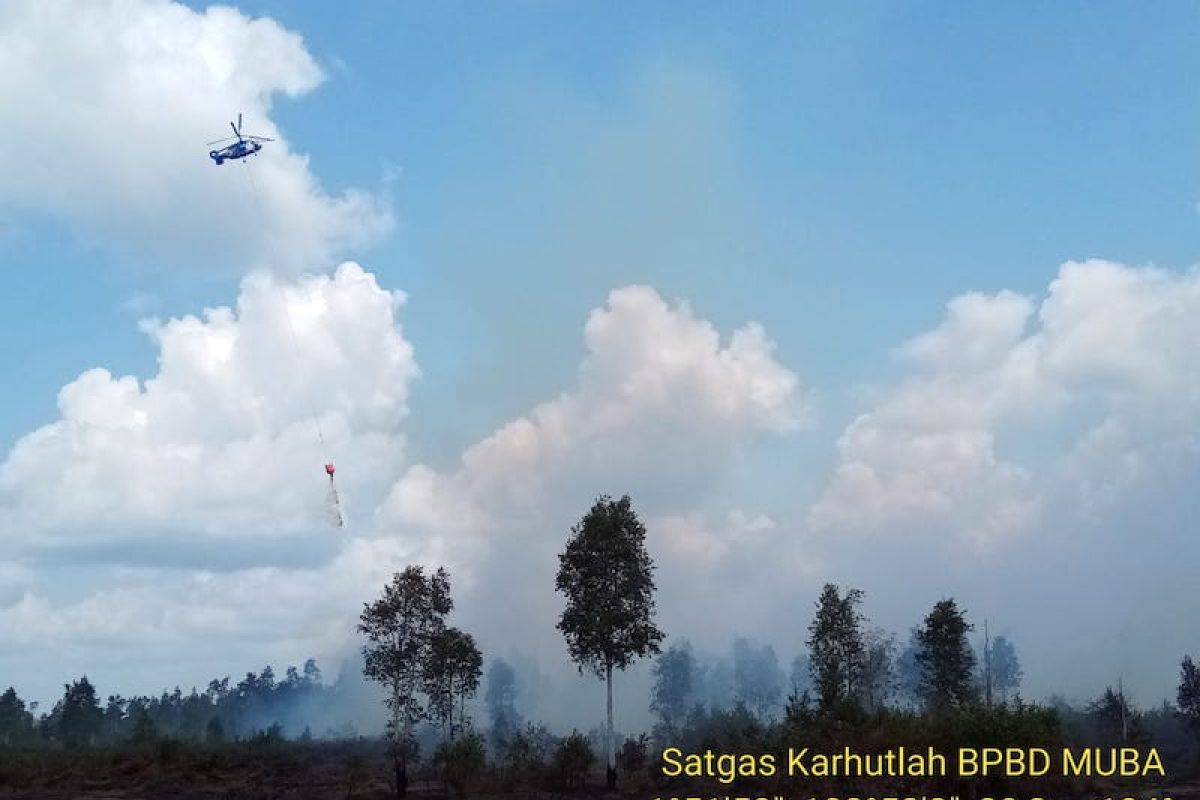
x=855, y=685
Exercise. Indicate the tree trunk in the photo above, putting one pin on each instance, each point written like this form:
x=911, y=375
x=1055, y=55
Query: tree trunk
x=401, y=759
x=610, y=760
x=401, y=775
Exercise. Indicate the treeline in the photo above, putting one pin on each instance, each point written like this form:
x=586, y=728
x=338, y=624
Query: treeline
x=847, y=666
x=260, y=705
x=850, y=685
x=853, y=684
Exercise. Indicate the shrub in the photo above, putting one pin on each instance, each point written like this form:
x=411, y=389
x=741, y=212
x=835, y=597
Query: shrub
x=526, y=753
x=572, y=760
x=461, y=761
x=269, y=740
x=632, y=756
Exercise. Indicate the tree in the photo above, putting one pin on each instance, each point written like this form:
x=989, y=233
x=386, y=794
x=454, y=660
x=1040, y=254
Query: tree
x=453, y=667
x=400, y=627
x=608, y=580
x=674, y=679
x=1188, y=696
x=835, y=646
x=757, y=676
x=193, y=715
x=312, y=673
x=79, y=716
x=1115, y=720
x=945, y=657
x=114, y=717
x=907, y=670
x=16, y=722
x=145, y=730
x=1004, y=667
x=501, y=699
x=877, y=680
x=714, y=683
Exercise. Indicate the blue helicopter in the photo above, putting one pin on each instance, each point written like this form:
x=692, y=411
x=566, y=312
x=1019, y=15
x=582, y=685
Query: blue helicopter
x=246, y=145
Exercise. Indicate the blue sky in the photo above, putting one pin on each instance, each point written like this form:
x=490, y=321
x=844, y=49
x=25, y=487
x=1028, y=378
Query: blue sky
x=836, y=173
x=892, y=155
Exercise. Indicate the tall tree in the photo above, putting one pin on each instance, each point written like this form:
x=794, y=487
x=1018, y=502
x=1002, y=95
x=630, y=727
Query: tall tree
x=607, y=577
x=714, y=683
x=16, y=722
x=1005, y=668
x=453, y=667
x=501, y=699
x=835, y=647
x=400, y=627
x=908, y=670
x=757, y=676
x=1115, y=719
x=114, y=717
x=946, y=658
x=674, y=684
x=1188, y=697
x=79, y=716
x=877, y=677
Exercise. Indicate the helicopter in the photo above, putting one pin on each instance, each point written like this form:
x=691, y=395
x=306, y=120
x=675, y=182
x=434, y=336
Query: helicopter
x=246, y=145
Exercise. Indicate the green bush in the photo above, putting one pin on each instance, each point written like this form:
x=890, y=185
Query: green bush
x=525, y=755
x=572, y=760
x=461, y=762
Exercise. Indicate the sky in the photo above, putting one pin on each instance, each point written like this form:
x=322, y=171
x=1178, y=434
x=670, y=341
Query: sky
x=896, y=295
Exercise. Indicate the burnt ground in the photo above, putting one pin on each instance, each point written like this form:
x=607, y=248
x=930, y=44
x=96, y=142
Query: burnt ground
x=359, y=771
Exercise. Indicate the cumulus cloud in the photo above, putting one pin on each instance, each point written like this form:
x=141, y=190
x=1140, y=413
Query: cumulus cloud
x=660, y=406
x=694, y=541
x=111, y=104
x=220, y=443
x=1101, y=375
x=663, y=408
x=226, y=439
x=153, y=608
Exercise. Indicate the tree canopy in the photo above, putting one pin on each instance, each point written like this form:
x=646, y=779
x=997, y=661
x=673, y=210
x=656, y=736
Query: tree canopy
x=945, y=656
x=607, y=577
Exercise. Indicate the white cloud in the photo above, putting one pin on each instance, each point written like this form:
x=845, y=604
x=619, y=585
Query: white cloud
x=110, y=106
x=166, y=609
x=660, y=407
x=223, y=440
x=663, y=409
x=1111, y=349
x=690, y=537
x=220, y=443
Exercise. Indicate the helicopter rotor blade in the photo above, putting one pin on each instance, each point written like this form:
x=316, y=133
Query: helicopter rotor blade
x=236, y=132
x=218, y=141
x=260, y=138
x=239, y=127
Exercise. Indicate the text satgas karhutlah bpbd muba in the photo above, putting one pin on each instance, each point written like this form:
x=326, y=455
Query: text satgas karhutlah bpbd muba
x=899, y=762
